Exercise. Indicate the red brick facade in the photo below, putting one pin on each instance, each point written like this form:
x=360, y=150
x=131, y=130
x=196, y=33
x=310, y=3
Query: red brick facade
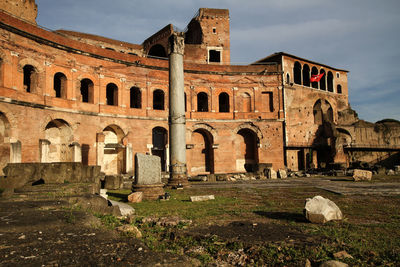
x=67, y=96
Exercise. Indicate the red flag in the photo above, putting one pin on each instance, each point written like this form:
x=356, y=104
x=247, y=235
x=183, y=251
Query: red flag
x=316, y=77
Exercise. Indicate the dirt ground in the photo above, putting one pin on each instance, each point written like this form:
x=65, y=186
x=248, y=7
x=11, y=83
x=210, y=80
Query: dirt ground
x=43, y=233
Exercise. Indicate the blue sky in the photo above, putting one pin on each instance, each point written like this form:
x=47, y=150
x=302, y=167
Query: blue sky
x=361, y=36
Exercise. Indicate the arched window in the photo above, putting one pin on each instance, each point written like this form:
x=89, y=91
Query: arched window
x=223, y=100
x=287, y=78
x=322, y=82
x=314, y=71
x=157, y=51
x=87, y=91
x=306, y=75
x=158, y=99
x=112, y=94
x=135, y=97
x=297, y=73
x=202, y=102
x=30, y=79
x=60, y=85
x=246, y=102
x=330, y=81
x=339, y=89
x=317, y=112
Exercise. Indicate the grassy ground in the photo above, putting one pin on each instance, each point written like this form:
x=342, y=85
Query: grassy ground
x=257, y=226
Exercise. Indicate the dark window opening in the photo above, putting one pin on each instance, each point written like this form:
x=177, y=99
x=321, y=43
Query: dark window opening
x=306, y=75
x=1, y=71
x=297, y=73
x=214, y=56
x=60, y=85
x=29, y=78
x=330, y=81
x=157, y=51
x=112, y=94
x=160, y=140
x=214, y=30
x=184, y=94
x=287, y=78
x=329, y=114
x=87, y=89
x=339, y=89
x=158, y=99
x=202, y=102
x=314, y=71
x=223, y=100
x=135, y=97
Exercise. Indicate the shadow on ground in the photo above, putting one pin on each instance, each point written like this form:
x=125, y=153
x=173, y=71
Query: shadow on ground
x=286, y=216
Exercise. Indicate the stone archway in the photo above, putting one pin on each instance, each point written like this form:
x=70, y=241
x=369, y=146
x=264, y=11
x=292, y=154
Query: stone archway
x=114, y=151
x=246, y=150
x=202, y=154
x=58, y=135
x=160, y=141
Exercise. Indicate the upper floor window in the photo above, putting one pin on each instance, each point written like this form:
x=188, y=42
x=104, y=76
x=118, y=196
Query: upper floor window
x=330, y=81
x=112, y=94
x=60, y=85
x=223, y=101
x=202, y=102
x=30, y=78
x=158, y=99
x=306, y=75
x=314, y=71
x=339, y=89
x=214, y=56
x=322, y=82
x=297, y=72
x=135, y=97
x=87, y=90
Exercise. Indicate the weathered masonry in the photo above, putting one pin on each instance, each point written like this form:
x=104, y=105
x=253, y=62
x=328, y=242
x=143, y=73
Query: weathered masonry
x=74, y=97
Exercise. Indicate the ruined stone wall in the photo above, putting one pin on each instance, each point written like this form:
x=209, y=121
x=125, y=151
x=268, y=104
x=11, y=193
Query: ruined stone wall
x=309, y=124
x=24, y=9
x=51, y=127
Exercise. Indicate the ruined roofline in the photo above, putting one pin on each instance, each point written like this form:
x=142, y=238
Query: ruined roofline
x=266, y=59
x=97, y=38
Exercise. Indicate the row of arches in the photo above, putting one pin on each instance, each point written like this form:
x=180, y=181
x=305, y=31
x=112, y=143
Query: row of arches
x=86, y=90
x=59, y=145
x=302, y=76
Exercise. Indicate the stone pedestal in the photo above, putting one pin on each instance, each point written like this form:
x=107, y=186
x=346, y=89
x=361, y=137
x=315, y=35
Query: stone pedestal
x=148, y=176
x=150, y=191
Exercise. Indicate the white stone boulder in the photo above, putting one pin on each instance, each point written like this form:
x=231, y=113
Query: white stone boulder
x=362, y=175
x=321, y=210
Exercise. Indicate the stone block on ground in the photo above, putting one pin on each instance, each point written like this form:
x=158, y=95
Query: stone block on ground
x=201, y=198
x=147, y=169
x=321, y=210
x=135, y=197
x=362, y=175
x=282, y=174
x=125, y=209
x=333, y=263
x=113, y=182
x=272, y=174
x=129, y=229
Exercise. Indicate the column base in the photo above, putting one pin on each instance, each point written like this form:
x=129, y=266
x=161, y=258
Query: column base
x=178, y=181
x=150, y=191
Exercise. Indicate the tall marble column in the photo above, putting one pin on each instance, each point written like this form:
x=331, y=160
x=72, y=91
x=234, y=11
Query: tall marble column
x=177, y=120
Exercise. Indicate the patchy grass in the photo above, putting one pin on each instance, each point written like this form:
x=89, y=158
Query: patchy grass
x=256, y=226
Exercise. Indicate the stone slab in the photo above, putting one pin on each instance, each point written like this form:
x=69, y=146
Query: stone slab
x=362, y=175
x=147, y=169
x=202, y=198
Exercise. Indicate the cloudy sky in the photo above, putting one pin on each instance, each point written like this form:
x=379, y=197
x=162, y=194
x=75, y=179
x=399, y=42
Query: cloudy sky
x=362, y=36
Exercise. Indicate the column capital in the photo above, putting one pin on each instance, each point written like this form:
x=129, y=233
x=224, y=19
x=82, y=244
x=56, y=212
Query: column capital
x=176, y=43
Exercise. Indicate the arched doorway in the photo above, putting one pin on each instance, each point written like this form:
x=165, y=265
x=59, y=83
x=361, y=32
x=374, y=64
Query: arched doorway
x=59, y=135
x=114, y=150
x=157, y=51
x=246, y=150
x=160, y=140
x=202, y=154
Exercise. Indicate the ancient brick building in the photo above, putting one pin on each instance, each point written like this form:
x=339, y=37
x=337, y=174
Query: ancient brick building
x=69, y=96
